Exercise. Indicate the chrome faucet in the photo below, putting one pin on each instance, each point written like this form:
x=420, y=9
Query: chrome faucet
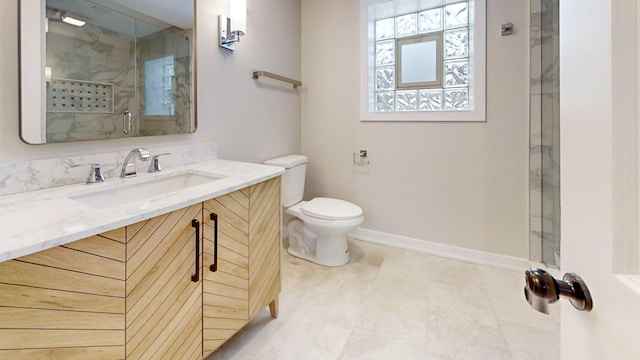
x=129, y=164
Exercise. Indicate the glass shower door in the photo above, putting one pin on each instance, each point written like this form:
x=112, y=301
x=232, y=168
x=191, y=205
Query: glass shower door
x=113, y=75
x=550, y=134
x=545, y=134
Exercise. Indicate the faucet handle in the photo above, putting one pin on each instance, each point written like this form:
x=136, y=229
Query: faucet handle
x=95, y=174
x=155, y=163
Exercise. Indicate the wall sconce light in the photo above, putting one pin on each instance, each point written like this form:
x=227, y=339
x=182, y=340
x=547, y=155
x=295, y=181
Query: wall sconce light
x=229, y=33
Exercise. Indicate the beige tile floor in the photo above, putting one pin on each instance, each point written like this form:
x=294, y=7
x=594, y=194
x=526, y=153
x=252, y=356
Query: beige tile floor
x=389, y=303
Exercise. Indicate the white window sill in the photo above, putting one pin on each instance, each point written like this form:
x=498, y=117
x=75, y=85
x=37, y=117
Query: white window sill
x=478, y=115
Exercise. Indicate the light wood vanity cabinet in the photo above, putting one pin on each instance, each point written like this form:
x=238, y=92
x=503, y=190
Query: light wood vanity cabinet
x=241, y=273
x=131, y=293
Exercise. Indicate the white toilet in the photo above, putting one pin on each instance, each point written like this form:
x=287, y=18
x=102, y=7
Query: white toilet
x=318, y=230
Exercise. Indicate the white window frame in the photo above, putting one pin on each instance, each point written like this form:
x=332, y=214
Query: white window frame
x=436, y=37
x=477, y=74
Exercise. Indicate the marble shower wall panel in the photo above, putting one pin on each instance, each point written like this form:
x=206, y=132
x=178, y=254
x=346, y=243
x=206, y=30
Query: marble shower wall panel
x=176, y=42
x=535, y=172
x=536, y=48
x=535, y=134
x=545, y=30
x=91, y=53
x=550, y=228
x=550, y=64
x=551, y=178
x=544, y=160
x=550, y=133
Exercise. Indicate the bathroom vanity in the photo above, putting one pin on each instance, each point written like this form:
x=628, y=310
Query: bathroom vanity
x=169, y=277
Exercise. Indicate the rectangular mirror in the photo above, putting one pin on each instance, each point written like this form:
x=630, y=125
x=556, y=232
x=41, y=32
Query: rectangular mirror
x=106, y=69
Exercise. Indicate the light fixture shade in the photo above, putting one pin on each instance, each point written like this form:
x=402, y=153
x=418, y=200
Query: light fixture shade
x=71, y=20
x=238, y=15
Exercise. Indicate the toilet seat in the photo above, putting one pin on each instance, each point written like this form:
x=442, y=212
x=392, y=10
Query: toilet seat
x=331, y=209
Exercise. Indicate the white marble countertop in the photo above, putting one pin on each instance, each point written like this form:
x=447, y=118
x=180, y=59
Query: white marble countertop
x=38, y=220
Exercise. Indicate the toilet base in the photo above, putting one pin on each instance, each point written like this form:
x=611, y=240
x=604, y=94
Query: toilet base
x=311, y=256
x=323, y=249
x=322, y=242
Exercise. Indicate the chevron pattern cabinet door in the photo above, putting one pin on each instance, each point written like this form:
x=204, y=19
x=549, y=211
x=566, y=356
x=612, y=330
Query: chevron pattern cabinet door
x=67, y=302
x=226, y=291
x=163, y=304
x=264, y=246
x=247, y=277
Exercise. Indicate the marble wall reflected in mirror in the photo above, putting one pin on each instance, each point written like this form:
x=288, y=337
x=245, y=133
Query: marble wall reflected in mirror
x=106, y=69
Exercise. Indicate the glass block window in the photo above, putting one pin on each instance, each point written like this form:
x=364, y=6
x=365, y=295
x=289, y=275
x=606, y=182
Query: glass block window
x=421, y=60
x=158, y=86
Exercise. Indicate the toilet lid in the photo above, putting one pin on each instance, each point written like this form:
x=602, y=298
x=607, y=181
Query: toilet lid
x=331, y=209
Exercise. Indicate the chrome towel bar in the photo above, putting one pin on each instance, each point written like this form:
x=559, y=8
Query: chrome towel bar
x=258, y=73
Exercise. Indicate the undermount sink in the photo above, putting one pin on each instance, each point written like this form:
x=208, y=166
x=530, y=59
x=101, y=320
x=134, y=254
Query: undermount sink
x=130, y=193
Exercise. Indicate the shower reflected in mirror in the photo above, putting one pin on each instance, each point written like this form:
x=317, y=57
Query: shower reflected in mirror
x=106, y=69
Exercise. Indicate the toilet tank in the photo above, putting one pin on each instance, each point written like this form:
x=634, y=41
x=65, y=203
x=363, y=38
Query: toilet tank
x=295, y=169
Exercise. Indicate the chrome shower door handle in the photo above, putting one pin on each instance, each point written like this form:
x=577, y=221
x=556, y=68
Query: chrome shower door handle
x=542, y=289
x=126, y=122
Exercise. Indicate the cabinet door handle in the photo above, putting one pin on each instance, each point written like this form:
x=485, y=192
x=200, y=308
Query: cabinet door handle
x=214, y=267
x=196, y=224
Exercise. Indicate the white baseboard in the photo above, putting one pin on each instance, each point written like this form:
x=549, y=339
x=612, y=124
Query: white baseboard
x=448, y=251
